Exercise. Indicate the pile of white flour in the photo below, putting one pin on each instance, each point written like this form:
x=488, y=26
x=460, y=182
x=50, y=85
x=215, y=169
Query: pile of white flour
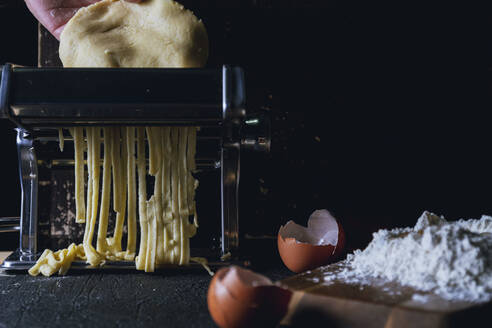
x=451, y=259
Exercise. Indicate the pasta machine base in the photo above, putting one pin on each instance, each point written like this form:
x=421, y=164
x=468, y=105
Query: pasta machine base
x=17, y=262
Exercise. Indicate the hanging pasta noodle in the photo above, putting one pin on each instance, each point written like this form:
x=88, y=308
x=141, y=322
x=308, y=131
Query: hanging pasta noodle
x=120, y=192
x=94, y=135
x=131, y=219
x=142, y=198
x=156, y=141
x=90, y=172
x=102, y=245
x=151, y=251
x=174, y=195
x=182, y=198
x=166, y=191
x=192, y=182
x=78, y=141
x=114, y=246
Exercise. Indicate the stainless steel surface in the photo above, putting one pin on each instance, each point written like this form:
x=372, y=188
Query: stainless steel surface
x=18, y=262
x=136, y=96
x=234, y=99
x=5, y=71
x=28, y=171
x=208, y=144
x=229, y=198
x=233, y=94
x=255, y=133
x=10, y=224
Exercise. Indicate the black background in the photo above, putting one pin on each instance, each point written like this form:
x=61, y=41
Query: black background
x=379, y=111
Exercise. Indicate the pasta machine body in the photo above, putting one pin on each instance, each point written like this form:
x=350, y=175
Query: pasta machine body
x=41, y=100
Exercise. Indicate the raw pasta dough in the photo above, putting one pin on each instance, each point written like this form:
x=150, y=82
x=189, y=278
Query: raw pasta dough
x=154, y=33
x=112, y=33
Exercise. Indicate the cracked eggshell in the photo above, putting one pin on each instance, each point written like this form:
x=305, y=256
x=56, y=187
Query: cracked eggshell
x=239, y=297
x=305, y=248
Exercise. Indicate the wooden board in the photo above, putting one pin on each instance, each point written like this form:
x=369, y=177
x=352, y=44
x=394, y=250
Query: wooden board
x=378, y=304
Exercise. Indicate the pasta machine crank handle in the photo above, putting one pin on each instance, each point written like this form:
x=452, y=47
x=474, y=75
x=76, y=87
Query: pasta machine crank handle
x=254, y=134
x=233, y=113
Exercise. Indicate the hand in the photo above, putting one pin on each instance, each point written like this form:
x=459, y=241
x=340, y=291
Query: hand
x=54, y=14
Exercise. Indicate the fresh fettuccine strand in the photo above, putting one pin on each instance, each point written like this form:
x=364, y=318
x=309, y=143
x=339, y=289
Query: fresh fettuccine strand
x=182, y=172
x=88, y=211
x=120, y=215
x=190, y=157
x=113, y=246
x=93, y=258
x=102, y=245
x=95, y=144
x=132, y=219
x=192, y=183
x=157, y=141
x=152, y=151
x=182, y=197
x=142, y=198
x=174, y=195
x=166, y=193
x=152, y=216
x=78, y=140
x=152, y=236
x=116, y=167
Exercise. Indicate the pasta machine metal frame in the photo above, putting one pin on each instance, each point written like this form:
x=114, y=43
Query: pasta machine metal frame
x=36, y=99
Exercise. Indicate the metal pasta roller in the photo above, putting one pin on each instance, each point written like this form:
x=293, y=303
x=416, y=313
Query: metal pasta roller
x=42, y=100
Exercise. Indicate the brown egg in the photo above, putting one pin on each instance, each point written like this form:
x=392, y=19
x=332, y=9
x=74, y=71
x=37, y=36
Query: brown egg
x=321, y=243
x=239, y=297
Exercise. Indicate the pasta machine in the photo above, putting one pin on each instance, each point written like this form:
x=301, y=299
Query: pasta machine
x=41, y=100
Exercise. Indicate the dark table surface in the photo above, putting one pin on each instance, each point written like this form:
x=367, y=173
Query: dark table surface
x=109, y=299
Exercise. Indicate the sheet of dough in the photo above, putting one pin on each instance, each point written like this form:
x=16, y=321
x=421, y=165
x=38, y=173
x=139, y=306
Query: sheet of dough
x=154, y=33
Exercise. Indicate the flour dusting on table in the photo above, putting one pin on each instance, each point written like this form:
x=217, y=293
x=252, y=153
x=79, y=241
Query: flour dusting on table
x=450, y=259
